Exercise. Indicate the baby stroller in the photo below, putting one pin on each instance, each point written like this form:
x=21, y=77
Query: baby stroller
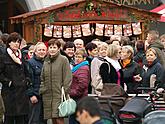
x=135, y=110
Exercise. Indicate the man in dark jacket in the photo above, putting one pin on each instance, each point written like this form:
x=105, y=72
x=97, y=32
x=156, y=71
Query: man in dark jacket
x=34, y=68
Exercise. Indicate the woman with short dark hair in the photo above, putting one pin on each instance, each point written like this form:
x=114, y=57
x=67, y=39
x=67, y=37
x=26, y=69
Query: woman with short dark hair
x=12, y=77
x=55, y=73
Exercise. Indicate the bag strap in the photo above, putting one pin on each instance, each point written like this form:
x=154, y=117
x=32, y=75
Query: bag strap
x=63, y=97
x=108, y=63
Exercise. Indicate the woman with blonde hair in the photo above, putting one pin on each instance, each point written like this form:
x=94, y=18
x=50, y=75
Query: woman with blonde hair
x=110, y=70
x=131, y=69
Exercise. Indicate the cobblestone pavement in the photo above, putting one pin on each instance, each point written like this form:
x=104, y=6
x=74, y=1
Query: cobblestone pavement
x=66, y=121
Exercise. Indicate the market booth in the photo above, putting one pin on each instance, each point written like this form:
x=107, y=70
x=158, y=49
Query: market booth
x=86, y=19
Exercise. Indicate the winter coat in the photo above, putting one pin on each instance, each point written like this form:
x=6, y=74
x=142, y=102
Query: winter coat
x=96, y=81
x=34, y=68
x=129, y=72
x=55, y=73
x=139, y=58
x=157, y=69
x=80, y=81
x=158, y=47
x=2, y=48
x=109, y=75
x=14, y=96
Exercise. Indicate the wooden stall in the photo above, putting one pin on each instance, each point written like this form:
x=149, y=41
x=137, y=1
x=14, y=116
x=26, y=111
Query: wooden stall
x=84, y=18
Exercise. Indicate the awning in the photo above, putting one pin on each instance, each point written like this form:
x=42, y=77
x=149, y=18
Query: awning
x=160, y=10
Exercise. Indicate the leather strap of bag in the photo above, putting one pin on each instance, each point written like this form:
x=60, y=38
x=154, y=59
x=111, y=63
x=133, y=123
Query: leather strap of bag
x=63, y=97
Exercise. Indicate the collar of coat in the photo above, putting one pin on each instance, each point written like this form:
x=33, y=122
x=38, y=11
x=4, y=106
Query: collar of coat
x=52, y=58
x=75, y=68
x=15, y=56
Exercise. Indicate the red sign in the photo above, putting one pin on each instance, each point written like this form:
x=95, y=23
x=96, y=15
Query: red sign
x=79, y=14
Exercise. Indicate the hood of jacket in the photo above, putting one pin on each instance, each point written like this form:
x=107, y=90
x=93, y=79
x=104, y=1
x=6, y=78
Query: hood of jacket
x=157, y=44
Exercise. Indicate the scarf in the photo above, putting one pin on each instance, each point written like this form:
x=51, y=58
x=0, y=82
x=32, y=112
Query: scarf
x=125, y=62
x=75, y=68
x=15, y=56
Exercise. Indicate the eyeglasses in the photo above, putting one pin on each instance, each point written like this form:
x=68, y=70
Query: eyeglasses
x=78, y=56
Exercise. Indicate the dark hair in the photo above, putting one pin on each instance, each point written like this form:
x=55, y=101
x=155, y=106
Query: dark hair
x=90, y=104
x=14, y=37
x=90, y=46
x=125, y=41
x=69, y=45
x=140, y=45
x=54, y=41
x=4, y=37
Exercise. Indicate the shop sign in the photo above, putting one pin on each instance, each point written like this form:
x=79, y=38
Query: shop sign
x=132, y=2
x=78, y=15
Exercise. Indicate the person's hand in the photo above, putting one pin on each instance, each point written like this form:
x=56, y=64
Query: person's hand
x=137, y=78
x=33, y=99
x=160, y=90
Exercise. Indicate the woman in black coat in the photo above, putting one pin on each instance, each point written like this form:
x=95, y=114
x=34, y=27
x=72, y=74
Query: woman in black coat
x=12, y=77
x=131, y=69
x=153, y=71
x=110, y=69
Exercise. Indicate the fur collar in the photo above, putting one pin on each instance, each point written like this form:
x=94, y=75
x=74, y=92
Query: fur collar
x=15, y=56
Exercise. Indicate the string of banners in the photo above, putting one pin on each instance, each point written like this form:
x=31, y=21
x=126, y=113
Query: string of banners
x=85, y=30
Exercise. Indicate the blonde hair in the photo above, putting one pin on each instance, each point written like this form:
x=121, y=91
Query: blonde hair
x=129, y=50
x=82, y=52
x=102, y=45
x=162, y=38
x=39, y=43
x=112, y=50
x=151, y=50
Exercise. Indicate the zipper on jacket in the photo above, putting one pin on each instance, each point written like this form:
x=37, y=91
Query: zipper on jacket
x=51, y=86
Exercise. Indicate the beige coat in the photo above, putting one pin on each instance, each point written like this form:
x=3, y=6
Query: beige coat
x=56, y=72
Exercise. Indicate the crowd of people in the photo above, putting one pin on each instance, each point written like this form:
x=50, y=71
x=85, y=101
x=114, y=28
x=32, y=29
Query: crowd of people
x=32, y=74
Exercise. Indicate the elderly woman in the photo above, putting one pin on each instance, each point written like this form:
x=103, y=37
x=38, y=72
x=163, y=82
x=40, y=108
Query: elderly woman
x=12, y=77
x=153, y=72
x=131, y=69
x=110, y=70
x=81, y=75
x=96, y=82
x=81, y=78
x=55, y=73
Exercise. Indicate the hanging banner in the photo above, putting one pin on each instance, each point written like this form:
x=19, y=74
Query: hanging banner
x=99, y=29
x=57, y=31
x=86, y=29
x=108, y=30
x=136, y=28
x=127, y=30
x=118, y=30
x=76, y=31
x=67, y=32
x=48, y=30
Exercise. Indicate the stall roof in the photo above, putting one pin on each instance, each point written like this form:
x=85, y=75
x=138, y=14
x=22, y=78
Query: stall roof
x=22, y=17
x=160, y=10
